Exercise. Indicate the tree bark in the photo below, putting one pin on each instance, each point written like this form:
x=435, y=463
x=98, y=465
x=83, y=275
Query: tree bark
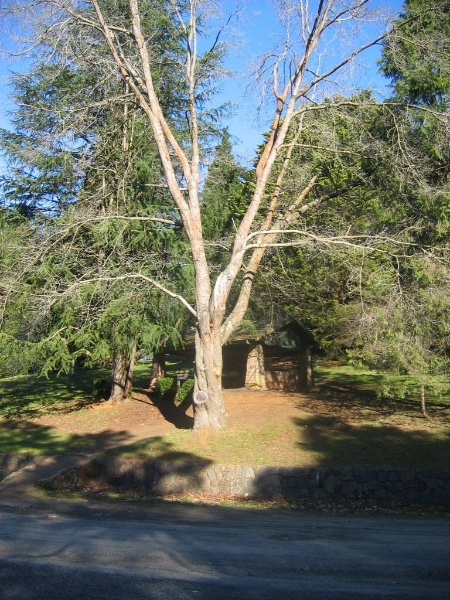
x=209, y=414
x=119, y=378
x=158, y=369
x=130, y=372
x=122, y=376
x=308, y=370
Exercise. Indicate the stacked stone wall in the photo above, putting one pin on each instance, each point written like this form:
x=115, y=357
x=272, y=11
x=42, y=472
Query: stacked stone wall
x=9, y=463
x=290, y=483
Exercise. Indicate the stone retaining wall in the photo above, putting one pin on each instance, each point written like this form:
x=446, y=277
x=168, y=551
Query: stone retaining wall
x=408, y=486
x=9, y=463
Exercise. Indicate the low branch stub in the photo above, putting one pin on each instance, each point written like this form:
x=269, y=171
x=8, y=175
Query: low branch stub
x=200, y=398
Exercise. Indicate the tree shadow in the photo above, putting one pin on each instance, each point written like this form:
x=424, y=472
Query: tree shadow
x=151, y=466
x=170, y=411
x=30, y=396
x=335, y=442
x=343, y=391
x=377, y=461
x=19, y=436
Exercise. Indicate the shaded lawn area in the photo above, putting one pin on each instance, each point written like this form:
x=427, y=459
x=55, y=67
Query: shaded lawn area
x=27, y=396
x=314, y=441
x=23, y=398
x=26, y=437
x=341, y=423
x=382, y=393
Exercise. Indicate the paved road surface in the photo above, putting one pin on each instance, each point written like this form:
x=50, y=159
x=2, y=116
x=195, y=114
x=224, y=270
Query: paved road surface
x=58, y=551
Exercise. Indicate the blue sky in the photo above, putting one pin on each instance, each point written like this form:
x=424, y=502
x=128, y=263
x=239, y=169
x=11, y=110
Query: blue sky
x=258, y=33
x=254, y=30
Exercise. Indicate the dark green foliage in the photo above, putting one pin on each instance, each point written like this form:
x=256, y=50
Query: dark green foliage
x=41, y=173
x=184, y=391
x=225, y=194
x=165, y=387
x=101, y=389
x=416, y=56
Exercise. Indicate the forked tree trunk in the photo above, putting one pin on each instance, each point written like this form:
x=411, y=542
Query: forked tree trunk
x=209, y=409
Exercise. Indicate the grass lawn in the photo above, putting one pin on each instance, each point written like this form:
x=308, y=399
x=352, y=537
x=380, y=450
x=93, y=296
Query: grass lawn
x=27, y=396
x=342, y=422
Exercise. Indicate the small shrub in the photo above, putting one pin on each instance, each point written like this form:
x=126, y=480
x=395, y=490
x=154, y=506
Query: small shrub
x=164, y=385
x=184, y=390
x=100, y=388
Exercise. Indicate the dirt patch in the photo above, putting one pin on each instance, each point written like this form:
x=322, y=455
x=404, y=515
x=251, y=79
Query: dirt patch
x=143, y=417
x=320, y=429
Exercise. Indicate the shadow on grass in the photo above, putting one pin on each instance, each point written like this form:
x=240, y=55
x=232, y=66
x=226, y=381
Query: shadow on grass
x=28, y=396
x=172, y=413
x=335, y=443
x=156, y=448
x=25, y=436
x=359, y=392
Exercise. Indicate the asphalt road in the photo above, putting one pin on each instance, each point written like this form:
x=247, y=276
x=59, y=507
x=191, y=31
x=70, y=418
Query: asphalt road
x=53, y=552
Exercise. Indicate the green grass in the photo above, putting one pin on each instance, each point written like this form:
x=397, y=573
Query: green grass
x=26, y=437
x=273, y=443
x=357, y=428
x=26, y=396
x=387, y=387
x=315, y=441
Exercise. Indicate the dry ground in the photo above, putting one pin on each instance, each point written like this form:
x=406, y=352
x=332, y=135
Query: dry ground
x=267, y=427
x=143, y=417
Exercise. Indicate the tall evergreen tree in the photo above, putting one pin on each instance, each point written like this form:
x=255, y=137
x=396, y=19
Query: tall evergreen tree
x=89, y=179
x=225, y=191
x=416, y=56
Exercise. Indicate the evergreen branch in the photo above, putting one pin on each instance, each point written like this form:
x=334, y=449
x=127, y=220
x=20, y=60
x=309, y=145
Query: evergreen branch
x=153, y=282
x=345, y=240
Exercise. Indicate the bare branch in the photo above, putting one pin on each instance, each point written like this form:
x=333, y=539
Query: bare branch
x=153, y=282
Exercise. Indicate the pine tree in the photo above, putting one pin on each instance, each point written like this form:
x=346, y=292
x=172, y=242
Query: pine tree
x=88, y=178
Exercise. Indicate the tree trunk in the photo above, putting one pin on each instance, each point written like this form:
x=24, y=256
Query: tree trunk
x=423, y=401
x=130, y=372
x=158, y=369
x=122, y=376
x=308, y=370
x=209, y=409
x=119, y=378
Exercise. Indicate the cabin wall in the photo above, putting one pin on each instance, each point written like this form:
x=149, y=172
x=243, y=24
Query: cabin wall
x=284, y=370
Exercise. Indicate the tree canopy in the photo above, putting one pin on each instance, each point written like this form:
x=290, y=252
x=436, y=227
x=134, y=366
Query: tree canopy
x=335, y=170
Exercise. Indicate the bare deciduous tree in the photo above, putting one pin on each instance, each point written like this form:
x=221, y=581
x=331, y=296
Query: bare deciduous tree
x=302, y=72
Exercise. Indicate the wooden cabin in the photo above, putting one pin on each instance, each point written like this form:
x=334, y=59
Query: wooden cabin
x=275, y=359
x=270, y=359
